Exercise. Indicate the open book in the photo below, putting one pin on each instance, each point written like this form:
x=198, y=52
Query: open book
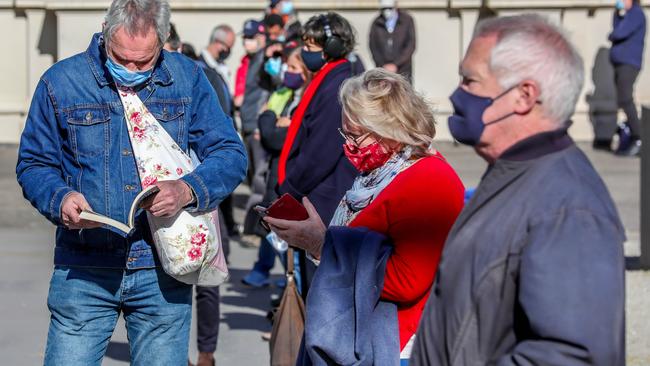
x=128, y=227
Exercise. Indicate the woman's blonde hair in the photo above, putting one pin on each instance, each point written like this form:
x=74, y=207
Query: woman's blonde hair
x=385, y=104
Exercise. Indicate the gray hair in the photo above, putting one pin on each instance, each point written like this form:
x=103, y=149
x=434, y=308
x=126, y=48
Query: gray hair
x=137, y=16
x=531, y=47
x=221, y=33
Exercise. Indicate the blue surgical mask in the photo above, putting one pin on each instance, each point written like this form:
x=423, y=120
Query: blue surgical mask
x=273, y=66
x=125, y=77
x=620, y=5
x=287, y=8
x=466, y=124
x=313, y=59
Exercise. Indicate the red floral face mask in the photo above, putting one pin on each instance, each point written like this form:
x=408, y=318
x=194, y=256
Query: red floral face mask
x=368, y=158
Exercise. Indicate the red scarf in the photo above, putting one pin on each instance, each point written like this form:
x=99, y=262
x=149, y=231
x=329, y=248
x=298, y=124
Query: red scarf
x=296, y=120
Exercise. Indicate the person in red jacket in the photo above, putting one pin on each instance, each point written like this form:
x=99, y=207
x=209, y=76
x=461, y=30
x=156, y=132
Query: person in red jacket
x=406, y=190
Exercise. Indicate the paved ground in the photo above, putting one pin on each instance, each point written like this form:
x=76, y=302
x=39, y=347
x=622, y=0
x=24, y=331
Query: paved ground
x=26, y=256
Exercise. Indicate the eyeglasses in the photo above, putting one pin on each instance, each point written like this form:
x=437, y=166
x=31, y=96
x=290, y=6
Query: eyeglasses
x=355, y=140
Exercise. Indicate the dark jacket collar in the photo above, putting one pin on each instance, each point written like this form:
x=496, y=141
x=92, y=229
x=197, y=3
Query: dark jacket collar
x=96, y=57
x=538, y=145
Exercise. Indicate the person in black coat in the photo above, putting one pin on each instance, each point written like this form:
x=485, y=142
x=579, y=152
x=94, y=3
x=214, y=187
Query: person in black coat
x=273, y=124
x=392, y=39
x=208, y=298
x=316, y=166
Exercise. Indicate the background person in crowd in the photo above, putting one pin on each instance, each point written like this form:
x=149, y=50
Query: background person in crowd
x=253, y=39
x=270, y=77
x=74, y=139
x=274, y=24
x=312, y=162
x=406, y=190
x=173, y=42
x=254, y=97
x=292, y=26
x=207, y=298
x=533, y=269
x=222, y=40
x=188, y=50
x=254, y=100
x=213, y=62
x=626, y=54
x=274, y=123
x=392, y=39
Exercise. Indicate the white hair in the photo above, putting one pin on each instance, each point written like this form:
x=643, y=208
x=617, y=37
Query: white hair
x=221, y=33
x=137, y=16
x=531, y=47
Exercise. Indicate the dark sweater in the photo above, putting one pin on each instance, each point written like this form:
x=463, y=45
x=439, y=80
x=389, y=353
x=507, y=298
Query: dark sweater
x=628, y=37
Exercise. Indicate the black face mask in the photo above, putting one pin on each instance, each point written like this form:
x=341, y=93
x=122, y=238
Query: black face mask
x=223, y=55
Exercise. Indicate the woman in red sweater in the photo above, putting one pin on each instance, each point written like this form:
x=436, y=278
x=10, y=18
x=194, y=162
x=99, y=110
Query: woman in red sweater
x=406, y=190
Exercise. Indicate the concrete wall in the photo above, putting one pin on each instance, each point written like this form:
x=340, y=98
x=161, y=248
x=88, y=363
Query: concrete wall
x=40, y=33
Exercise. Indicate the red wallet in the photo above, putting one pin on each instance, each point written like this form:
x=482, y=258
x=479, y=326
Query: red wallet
x=287, y=208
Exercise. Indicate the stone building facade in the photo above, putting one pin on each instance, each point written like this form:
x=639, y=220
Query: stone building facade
x=39, y=33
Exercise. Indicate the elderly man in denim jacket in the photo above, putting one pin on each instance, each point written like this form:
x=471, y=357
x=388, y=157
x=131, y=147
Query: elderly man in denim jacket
x=75, y=154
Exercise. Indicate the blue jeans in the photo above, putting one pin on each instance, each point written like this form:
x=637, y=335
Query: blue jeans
x=85, y=304
x=265, y=258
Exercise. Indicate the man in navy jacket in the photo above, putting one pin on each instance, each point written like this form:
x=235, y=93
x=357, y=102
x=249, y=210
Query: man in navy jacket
x=628, y=38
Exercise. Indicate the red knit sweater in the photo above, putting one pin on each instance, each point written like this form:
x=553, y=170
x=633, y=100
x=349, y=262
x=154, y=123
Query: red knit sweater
x=416, y=211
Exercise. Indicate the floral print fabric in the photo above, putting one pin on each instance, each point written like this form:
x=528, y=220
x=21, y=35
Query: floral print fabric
x=188, y=244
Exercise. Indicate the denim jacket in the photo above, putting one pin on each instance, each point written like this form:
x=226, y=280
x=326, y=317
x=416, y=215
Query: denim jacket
x=76, y=139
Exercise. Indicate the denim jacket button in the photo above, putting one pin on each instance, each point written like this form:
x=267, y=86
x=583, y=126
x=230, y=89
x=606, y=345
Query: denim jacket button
x=129, y=187
x=126, y=152
x=89, y=117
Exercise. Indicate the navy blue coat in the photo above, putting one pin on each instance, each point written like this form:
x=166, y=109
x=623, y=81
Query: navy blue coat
x=346, y=322
x=317, y=167
x=628, y=37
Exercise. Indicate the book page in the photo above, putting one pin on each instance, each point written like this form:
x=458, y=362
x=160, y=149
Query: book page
x=146, y=193
x=93, y=216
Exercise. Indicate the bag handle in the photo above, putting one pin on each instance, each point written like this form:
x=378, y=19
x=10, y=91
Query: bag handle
x=290, y=264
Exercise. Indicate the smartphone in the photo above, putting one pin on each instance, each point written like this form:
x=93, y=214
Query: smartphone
x=287, y=208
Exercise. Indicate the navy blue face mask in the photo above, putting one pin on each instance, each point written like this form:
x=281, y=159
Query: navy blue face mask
x=313, y=59
x=466, y=124
x=293, y=80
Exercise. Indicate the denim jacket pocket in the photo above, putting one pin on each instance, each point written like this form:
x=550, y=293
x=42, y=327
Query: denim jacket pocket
x=89, y=128
x=170, y=114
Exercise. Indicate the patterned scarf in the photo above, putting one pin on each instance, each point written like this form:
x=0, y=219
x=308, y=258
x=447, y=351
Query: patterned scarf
x=367, y=187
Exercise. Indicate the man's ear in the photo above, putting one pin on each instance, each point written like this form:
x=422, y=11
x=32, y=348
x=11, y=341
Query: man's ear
x=529, y=93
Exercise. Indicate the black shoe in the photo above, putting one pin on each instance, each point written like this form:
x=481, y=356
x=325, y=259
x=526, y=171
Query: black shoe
x=604, y=145
x=275, y=301
x=634, y=149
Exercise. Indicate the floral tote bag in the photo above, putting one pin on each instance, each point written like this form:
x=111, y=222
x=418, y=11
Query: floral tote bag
x=188, y=244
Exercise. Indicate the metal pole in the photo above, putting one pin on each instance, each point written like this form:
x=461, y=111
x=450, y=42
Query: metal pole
x=645, y=188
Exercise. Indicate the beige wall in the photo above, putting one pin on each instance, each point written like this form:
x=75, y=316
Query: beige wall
x=42, y=32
